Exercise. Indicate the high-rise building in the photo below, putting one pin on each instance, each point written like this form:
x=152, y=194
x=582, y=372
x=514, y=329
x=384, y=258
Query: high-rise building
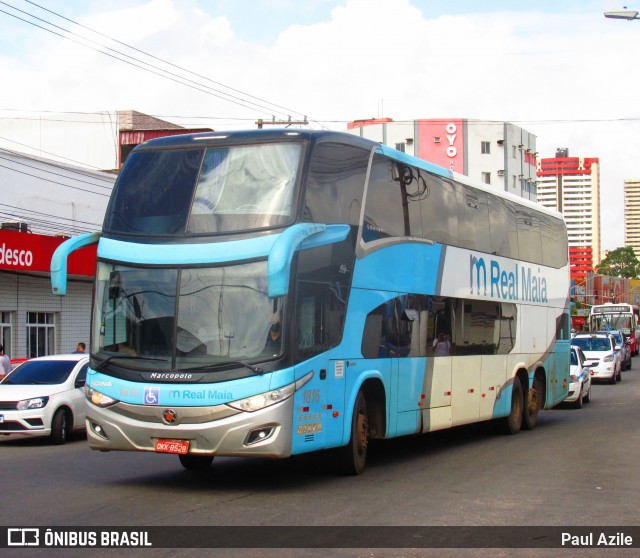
x=632, y=214
x=571, y=185
x=499, y=154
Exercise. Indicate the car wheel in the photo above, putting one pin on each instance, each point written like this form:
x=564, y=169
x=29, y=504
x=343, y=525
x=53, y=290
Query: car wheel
x=59, y=428
x=587, y=397
x=619, y=376
x=578, y=402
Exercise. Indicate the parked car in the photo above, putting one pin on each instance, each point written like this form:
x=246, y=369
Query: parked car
x=580, y=376
x=45, y=397
x=599, y=348
x=17, y=362
x=624, y=347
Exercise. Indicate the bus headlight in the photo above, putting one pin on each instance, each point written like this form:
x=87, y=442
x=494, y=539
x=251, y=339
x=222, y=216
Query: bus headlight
x=268, y=398
x=98, y=398
x=262, y=400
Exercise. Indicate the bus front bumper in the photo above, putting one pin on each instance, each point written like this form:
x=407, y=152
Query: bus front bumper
x=218, y=430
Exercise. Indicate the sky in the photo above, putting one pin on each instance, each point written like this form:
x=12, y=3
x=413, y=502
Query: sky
x=556, y=68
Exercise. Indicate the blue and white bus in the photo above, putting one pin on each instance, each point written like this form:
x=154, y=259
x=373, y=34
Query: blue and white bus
x=275, y=292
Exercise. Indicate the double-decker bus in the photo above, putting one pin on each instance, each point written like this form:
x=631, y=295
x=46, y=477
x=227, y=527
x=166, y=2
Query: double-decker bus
x=276, y=292
x=612, y=316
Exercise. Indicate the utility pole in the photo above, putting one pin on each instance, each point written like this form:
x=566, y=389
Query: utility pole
x=286, y=123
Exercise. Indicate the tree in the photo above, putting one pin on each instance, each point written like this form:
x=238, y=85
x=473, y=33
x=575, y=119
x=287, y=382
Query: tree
x=621, y=262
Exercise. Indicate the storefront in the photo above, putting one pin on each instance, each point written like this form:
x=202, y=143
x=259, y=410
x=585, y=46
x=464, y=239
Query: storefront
x=34, y=322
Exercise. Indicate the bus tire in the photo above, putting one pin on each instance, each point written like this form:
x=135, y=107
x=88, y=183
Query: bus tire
x=532, y=405
x=193, y=462
x=351, y=459
x=512, y=423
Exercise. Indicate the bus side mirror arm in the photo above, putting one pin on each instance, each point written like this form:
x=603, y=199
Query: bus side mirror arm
x=302, y=235
x=60, y=257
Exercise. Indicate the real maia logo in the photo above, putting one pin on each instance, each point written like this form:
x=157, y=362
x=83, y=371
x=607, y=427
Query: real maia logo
x=518, y=283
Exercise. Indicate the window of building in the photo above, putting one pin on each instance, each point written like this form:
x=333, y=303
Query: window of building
x=514, y=151
x=485, y=147
x=41, y=334
x=5, y=332
x=486, y=177
x=400, y=146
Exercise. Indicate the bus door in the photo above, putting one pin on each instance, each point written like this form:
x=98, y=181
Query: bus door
x=424, y=376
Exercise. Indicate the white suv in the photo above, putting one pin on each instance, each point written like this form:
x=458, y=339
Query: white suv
x=599, y=348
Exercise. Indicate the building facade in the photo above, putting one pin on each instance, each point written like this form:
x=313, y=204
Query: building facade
x=571, y=185
x=46, y=199
x=632, y=214
x=497, y=153
x=97, y=140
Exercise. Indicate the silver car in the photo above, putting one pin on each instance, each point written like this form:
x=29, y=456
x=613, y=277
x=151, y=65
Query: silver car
x=624, y=347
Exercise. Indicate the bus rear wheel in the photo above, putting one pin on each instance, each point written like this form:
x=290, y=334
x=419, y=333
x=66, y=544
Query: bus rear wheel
x=196, y=462
x=532, y=405
x=512, y=423
x=352, y=458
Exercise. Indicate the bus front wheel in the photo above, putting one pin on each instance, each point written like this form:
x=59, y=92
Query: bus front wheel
x=352, y=457
x=196, y=462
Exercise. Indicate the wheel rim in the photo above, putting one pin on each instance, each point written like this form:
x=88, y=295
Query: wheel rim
x=362, y=427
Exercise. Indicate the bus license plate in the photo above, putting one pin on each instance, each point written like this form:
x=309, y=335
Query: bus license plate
x=172, y=446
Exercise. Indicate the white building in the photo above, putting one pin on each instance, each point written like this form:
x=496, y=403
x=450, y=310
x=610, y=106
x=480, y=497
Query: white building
x=41, y=203
x=632, y=214
x=496, y=153
x=571, y=185
x=50, y=188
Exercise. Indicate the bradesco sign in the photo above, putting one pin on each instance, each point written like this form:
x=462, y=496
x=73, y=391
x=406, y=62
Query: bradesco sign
x=33, y=252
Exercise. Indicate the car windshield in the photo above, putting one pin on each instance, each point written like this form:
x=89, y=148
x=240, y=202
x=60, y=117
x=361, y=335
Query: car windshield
x=592, y=343
x=46, y=372
x=574, y=358
x=188, y=318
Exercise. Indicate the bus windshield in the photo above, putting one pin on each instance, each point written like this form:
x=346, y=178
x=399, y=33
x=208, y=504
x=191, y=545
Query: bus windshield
x=604, y=322
x=197, y=191
x=174, y=319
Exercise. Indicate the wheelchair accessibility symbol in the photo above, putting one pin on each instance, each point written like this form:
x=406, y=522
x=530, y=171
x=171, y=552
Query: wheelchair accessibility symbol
x=151, y=396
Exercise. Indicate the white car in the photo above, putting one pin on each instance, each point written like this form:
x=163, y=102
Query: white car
x=580, y=374
x=602, y=358
x=45, y=397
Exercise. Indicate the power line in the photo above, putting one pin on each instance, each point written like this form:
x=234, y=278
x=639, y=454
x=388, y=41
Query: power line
x=39, y=169
x=146, y=66
x=54, y=182
x=47, y=152
x=161, y=59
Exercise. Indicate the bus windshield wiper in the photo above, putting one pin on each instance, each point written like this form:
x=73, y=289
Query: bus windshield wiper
x=132, y=357
x=254, y=369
